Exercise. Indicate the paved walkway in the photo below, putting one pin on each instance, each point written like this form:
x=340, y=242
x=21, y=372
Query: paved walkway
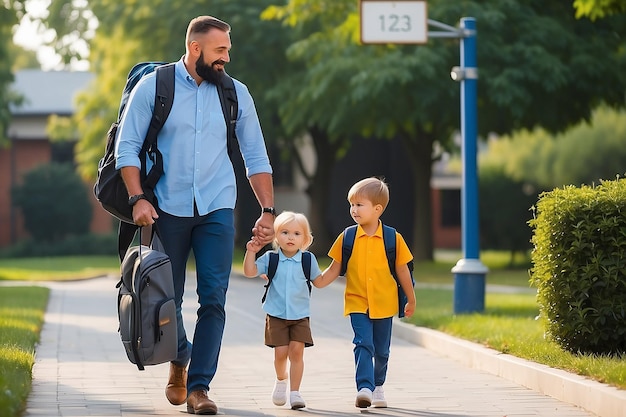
x=82, y=370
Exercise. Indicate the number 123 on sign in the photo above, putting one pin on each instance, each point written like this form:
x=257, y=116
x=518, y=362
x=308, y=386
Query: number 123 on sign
x=402, y=21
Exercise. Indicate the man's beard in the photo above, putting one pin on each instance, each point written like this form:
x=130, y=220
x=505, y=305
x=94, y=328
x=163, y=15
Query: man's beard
x=207, y=72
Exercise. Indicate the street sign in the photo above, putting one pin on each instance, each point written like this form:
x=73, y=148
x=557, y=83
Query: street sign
x=402, y=21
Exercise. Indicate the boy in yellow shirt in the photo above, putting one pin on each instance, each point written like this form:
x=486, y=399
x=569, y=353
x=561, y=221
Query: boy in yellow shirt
x=371, y=294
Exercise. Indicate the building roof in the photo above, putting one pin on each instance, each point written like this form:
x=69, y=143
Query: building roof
x=48, y=92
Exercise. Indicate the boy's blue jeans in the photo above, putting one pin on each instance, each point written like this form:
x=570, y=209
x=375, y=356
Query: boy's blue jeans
x=211, y=237
x=372, y=338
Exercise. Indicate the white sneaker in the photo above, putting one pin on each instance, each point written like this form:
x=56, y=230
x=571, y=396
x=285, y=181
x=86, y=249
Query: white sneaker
x=296, y=401
x=363, y=398
x=378, y=398
x=279, y=395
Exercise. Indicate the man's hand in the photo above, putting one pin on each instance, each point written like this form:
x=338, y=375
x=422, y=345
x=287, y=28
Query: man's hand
x=144, y=213
x=263, y=229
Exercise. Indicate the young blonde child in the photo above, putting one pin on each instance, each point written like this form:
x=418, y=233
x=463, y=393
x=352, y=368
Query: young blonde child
x=371, y=293
x=287, y=327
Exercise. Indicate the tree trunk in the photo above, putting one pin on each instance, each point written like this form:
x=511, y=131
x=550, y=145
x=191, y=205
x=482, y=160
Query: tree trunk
x=317, y=190
x=419, y=151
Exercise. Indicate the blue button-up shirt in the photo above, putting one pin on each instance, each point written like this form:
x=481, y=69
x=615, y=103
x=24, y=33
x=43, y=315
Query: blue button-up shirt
x=288, y=297
x=193, y=143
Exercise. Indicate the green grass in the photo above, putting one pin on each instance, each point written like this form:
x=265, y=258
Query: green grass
x=509, y=324
x=21, y=317
x=57, y=268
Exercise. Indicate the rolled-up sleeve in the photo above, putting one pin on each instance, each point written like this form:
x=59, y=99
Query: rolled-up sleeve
x=250, y=135
x=134, y=124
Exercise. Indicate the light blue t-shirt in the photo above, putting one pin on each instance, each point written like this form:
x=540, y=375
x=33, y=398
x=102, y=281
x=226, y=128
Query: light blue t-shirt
x=193, y=143
x=288, y=297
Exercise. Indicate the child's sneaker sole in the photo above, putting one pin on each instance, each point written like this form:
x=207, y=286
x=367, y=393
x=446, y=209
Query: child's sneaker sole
x=363, y=398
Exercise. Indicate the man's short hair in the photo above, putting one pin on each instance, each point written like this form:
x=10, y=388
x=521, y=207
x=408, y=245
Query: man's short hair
x=203, y=24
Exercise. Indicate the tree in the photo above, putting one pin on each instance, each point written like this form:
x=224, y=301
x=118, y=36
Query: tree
x=533, y=58
x=54, y=202
x=504, y=206
x=10, y=15
x=584, y=154
x=539, y=66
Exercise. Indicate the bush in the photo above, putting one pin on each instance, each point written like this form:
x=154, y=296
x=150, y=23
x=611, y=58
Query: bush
x=54, y=202
x=579, y=266
x=504, y=211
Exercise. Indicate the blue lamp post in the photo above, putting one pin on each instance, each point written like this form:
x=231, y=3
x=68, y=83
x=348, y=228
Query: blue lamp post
x=469, y=272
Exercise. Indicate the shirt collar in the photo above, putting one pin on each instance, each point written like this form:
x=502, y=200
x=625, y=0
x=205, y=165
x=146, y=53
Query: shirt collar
x=297, y=257
x=379, y=231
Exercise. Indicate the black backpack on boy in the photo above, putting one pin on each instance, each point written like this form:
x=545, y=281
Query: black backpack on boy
x=109, y=188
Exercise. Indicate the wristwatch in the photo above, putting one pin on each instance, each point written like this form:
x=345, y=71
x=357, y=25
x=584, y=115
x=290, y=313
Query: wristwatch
x=132, y=200
x=270, y=210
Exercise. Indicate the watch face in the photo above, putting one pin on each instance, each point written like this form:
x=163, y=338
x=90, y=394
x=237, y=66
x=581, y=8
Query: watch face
x=133, y=200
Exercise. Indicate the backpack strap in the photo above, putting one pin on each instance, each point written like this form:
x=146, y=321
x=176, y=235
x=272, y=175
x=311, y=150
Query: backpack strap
x=163, y=101
x=306, y=268
x=273, y=265
x=271, y=271
x=349, y=234
x=230, y=107
x=389, y=239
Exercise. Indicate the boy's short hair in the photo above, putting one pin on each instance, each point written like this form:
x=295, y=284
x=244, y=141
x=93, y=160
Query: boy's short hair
x=289, y=216
x=373, y=189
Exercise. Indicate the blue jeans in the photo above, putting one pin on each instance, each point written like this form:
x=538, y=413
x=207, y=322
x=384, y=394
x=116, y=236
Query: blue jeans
x=372, y=338
x=211, y=237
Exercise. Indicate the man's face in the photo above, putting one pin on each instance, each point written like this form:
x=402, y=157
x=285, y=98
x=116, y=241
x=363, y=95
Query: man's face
x=215, y=46
x=212, y=72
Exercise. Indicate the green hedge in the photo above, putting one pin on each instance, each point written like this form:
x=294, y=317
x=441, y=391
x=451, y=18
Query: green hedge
x=579, y=266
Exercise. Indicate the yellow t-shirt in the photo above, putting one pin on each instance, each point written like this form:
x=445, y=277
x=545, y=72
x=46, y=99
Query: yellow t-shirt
x=369, y=283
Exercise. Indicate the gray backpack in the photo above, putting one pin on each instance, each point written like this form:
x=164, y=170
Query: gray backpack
x=145, y=305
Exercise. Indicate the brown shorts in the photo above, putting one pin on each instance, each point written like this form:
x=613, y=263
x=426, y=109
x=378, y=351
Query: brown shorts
x=279, y=332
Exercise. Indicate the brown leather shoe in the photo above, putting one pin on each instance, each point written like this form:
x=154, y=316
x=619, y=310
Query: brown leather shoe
x=176, y=389
x=199, y=403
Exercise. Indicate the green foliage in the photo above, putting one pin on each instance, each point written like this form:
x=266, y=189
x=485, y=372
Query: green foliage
x=21, y=317
x=504, y=208
x=10, y=14
x=54, y=202
x=583, y=154
x=310, y=75
x=597, y=9
x=579, y=266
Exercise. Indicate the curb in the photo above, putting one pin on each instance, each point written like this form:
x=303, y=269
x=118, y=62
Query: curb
x=595, y=397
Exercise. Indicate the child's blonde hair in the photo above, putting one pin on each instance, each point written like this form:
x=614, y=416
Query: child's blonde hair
x=289, y=216
x=372, y=189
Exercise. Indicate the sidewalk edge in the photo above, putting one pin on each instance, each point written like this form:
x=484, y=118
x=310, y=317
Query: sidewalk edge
x=595, y=397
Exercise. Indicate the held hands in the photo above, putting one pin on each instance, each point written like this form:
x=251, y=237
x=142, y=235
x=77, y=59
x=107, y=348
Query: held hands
x=254, y=245
x=263, y=230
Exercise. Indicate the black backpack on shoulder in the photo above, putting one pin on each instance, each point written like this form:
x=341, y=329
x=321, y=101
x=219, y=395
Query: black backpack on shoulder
x=109, y=187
